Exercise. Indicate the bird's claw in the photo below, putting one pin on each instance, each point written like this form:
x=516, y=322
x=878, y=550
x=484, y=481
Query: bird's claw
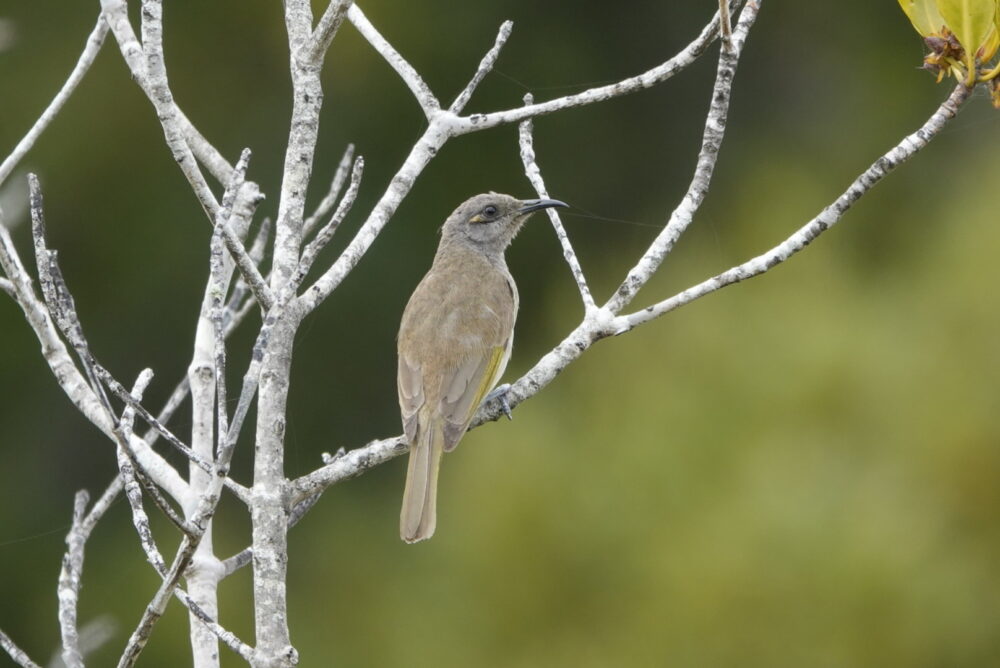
x=501, y=393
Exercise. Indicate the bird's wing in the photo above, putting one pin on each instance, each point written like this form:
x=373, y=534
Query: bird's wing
x=465, y=389
x=410, y=383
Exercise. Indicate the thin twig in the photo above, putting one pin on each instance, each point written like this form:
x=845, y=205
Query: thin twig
x=826, y=219
x=322, y=238
x=421, y=91
x=336, y=184
x=534, y=174
x=662, y=72
x=725, y=24
x=242, y=649
x=69, y=377
x=69, y=583
x=119, y=391
x=711, y=143
x=83, y=63
x=485, y=67
x=321, y=38
x=132, y=490
x=249, y=271
x=16, y=653
x=243, y=558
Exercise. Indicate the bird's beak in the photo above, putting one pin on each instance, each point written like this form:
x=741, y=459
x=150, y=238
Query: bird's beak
x=530, y=205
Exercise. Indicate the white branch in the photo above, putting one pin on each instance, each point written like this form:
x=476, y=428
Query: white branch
x=648, y=79
x=826, y=219
x=90, y=50
x=534, y=174
x=16, y=653
x=69, y=377
x=421, y=91
x=325, y=31
x=323, y=237
x=69, y=584
x=336, y=185
x=711, y=143
x=485, y=66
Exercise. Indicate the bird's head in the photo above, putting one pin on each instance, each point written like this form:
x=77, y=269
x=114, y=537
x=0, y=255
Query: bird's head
x=490, y=221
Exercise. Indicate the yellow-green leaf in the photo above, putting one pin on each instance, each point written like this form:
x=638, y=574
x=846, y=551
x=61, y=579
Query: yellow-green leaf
x=924, y=16
x=971, y=21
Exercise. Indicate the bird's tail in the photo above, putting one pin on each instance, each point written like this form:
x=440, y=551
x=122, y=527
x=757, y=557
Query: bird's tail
x=418, y=517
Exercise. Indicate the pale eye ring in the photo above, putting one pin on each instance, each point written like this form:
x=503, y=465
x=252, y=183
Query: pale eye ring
x=490, y=211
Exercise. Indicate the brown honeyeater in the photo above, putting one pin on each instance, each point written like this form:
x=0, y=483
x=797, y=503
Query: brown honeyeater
x=454, y=342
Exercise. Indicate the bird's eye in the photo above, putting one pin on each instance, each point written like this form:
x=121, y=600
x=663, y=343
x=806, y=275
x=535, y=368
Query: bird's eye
x=490, y=211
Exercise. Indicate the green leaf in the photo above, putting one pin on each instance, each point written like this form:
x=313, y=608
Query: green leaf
x=923, y=15
x=971, y=21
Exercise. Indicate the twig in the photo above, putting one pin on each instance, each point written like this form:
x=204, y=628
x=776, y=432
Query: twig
x=326, y=30
x=15, y=652
x=662, y=72
x=826, y=219
x=421, y=91
x=243, y=557
x=69, y=583
x=132, y=491
x=534, y=174
x=249, y=270
x=322, y=238
x=228, y=637
x=715, y=127
x=485, y=66
x=86, y=59
x=148, y=70
x=336, y=184
x=65, y=371
x=119, y=391
x=725, y=24
x=63, y=308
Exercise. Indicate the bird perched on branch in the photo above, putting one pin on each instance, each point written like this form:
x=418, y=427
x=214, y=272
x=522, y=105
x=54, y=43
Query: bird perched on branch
x=454, y=342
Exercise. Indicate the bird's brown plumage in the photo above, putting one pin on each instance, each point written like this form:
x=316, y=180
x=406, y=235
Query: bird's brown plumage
x=454, y=342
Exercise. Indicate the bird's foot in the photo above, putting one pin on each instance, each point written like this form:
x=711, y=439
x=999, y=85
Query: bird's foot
x=500, y=392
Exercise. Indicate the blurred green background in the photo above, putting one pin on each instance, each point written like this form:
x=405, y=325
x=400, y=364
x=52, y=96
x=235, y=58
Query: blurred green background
x=802, y=470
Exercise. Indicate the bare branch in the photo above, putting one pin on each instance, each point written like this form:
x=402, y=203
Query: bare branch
x=421, y=91
x=228, y=637
x=420, y=155
x=90, y=51
x=485, y=66
x=336, y=184
x=243, y=558
x=826, y=219
x=146, y=63
x=66, y=373
x=248, y=269
x=132, y=490
x=534, y=175
x=648, y=79
x=15, y=652
x=319, y=42
x=323, y=237
x=119, y=390
x=715, y=128
x=69, y=583
x=725, y=24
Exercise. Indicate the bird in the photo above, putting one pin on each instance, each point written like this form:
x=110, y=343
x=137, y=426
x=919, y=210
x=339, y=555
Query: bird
x=454, y=342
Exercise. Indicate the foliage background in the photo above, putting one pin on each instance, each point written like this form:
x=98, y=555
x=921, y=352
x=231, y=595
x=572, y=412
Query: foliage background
x=801, y=470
